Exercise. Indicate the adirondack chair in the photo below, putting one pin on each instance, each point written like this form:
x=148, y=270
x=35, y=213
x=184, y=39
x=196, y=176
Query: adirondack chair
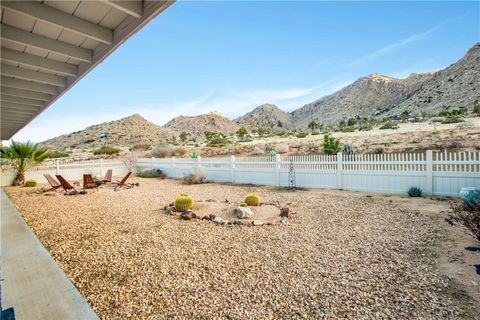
x=53, y=183
x=69, y=189
x=108, y=176
x=123, y=183
x=88, y=182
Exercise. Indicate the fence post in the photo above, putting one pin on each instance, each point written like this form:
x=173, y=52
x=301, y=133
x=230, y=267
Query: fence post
x=101, y=167
x=277, y=168
x=232, y=168
x=57, y=166
x=429, y=173
x=173, y=167
x=339, y=170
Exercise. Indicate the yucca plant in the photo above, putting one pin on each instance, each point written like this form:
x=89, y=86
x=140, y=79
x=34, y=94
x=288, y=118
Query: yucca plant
x=23, y=155
x=414, y=192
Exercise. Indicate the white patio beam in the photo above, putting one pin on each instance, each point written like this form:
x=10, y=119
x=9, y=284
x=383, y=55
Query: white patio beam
x=29, y=85
x=26, y=38
x=31, y=75
x=20, y=100
x=61, y=19
x=133, y=8
x=25, y=94
x=18, y=106
x=39, y=62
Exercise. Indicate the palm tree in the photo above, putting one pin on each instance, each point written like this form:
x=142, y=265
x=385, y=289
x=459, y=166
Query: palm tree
x=22, y=155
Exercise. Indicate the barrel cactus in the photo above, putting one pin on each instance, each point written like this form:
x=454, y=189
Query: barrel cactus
x=252, y=199
x=183, y=203
x=415, y=192
x=243, y=204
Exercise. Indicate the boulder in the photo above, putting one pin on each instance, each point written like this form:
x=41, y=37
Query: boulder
x=257, y=223
x=188, y=215
x=219, y=220
x=244, y=212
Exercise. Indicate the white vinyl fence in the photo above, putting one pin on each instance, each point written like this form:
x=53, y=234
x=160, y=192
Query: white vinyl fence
x=69, y=169
x=437, y=173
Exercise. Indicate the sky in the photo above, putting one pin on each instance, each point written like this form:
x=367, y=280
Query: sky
x=230, y=57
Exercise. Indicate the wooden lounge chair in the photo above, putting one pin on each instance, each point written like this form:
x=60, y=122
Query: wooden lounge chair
x=108, y=176
x=69, y=189
x=88, y=182
x=53, y=183
x=123, y=183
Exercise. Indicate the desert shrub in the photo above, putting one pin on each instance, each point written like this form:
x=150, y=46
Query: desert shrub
x=162, y=151
x=389, y=125
x=476, y=107
x=379, y=150
x=282, y=148
x=347, y=129
x=195, y=177
x=315, y=133
x=106, y=150
x=330, y=145
x=452, y=119
x=140, y=147
x=183, y=203
x=52, y=154
x=89, y=141
x=196, y=154
x=258, y=150
x=179, y=151
x=457, y=144
x=153, y=173
x=365, y=127
x=467, y=213
x=242, y=132
x=301, y=135
x=414, y=192
x=30, y=183
x=252, y=199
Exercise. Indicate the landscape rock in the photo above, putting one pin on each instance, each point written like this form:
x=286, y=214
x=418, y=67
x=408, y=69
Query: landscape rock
x=244, y=212
x=188, y=215
x=285, y=212
x=257, y=223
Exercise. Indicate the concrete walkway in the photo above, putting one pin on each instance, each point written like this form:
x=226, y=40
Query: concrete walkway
x=32, y=283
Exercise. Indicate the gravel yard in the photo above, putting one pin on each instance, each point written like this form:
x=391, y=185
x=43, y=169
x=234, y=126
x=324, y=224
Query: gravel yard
x=343, y=254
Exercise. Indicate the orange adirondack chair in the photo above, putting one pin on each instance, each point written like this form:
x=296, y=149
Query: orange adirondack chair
x=53, y=183
x=123, y=182
x=108, y=176
x=69, y=189
x=88, y=182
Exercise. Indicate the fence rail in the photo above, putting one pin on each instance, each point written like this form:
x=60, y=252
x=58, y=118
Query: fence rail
x=438, y=173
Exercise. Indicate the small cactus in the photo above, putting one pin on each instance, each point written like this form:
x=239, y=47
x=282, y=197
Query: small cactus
x=252, y=199
x=30, y=183
x=414, y=192
x=183, y=203
x=244, y=204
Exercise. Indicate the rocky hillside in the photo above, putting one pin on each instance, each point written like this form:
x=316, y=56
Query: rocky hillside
x=196, y=126
x=457, y=85
x=125, y=132
x=369, y=96
x=379, y=96
x=266, y=116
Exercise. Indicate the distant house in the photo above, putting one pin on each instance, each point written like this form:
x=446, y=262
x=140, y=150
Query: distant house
x=104, y=135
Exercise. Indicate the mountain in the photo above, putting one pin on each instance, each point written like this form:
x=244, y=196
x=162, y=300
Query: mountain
x=378, y=95
x=266, y=116
x=457, y=85
x=196, y=126
x=125, y=132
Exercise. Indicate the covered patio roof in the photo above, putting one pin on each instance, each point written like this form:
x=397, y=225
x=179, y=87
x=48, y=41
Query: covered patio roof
x=48, y=46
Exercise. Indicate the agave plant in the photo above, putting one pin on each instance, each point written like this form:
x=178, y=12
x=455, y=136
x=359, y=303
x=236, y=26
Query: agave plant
x=22, y=155
x=472, y=199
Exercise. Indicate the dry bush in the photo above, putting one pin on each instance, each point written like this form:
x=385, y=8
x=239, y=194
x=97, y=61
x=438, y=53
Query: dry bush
x=196, y=177
x=258, y=150
x=179, y=151
x=163, y=151
x=467, y=218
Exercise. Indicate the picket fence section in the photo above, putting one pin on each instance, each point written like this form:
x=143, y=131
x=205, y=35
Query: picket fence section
x=437, y=173
x=68, y=168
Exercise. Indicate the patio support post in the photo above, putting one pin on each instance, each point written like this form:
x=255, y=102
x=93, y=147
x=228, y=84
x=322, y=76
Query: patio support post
x=277, y=168
x=57, y=166
x=429, y=173
x=232, y=169
x=339, y=170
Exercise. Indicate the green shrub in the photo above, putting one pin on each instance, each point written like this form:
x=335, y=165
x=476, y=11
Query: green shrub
x=153, y=173
x=52, y=154
x=330, y=145
x=106, y=150
x=301, y=135
x=452, y=119
x=365, y=127
x=347, y=129
x=30, y=183
x=315, y=133
x=389, y=125
x=140, y=146
x=89, y=141
x=414, y=192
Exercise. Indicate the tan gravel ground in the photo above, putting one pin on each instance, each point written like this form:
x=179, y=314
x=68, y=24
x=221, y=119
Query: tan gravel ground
x=344, y=255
